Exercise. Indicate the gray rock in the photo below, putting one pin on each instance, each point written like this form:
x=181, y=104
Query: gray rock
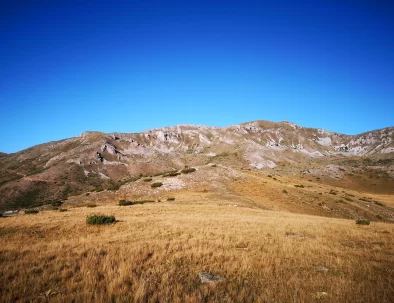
x=210, y=278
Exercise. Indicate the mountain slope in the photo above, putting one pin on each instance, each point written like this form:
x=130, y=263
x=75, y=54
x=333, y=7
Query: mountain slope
x=95, y=161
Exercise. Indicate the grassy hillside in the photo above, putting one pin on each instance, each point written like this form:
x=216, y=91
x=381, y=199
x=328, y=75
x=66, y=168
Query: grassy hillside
x=155, y=252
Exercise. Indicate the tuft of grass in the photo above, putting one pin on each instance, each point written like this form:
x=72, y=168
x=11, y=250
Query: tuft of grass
x=156, y=184
x=363, y=221
x=91, y=205
x=99, y=219
x=188, y=170
x=31, y=211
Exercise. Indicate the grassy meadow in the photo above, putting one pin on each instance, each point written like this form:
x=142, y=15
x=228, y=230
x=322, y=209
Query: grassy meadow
x=155, y=251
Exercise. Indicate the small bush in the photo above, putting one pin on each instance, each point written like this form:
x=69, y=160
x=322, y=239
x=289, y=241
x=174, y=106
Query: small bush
x=363, y=221
x=379, y=203
x=332, y=192
x=188, y=170
x=63, y=210
x=171, y=174
x=213, y=165
x=31, y=211
x=156, y=184
x=379, y=217
x=56, y=203
x=171, y=199
x=301, y=186
x=147, y=179
x=97, y=219
x=284, y=191
x=125, y=203
x=91, y=205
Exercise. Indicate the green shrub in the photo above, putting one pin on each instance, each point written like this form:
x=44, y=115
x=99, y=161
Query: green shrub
x=188, y=170
x=363, y=221
x=97, y=219
x=171, y=199
x=125, y=203
x=379, y=203
x=147, y=179
x=31, y=211
x=171, y=174
x=156, y=184
x=91, y=205
x=63, y=210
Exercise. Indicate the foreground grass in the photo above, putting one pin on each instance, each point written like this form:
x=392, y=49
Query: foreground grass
x=155, y=252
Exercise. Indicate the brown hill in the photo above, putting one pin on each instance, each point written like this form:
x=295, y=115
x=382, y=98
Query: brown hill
x=248, y=152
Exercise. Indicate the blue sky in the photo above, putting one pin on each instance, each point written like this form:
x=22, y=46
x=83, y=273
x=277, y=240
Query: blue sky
x=127, y=66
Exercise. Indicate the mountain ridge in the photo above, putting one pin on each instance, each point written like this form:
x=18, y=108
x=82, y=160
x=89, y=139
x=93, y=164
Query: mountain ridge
x=96, y=161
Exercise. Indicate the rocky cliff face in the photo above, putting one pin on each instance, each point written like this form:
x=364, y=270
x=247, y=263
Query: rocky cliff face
x=96, y=161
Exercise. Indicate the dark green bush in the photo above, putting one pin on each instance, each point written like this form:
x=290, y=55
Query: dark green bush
x=156, y=184
x=31, y=211
x=188, y=170
x=125, y=203
x=363, y=221
x=97, y=219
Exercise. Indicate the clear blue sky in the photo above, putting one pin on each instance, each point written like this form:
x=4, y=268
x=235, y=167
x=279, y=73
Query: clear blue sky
x=127, y=66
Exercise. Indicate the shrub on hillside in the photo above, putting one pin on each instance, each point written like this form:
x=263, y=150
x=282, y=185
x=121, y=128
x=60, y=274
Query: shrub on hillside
x=171, y=174
x=156, y=184
x=63, y=210
x=147, y=179
x=98, y=219
x=125, y=203
x=91, y=205
x=188, y=170
x=171, y=199
x=363, y=221
x=31, y=211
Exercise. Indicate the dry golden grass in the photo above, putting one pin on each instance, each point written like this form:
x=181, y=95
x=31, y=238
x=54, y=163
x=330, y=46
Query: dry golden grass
x=156, y=250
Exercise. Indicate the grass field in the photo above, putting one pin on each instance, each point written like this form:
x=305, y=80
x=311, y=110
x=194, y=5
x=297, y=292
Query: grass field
x=155, y=251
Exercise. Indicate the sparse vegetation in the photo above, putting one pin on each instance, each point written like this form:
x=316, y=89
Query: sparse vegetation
x=31, y=211
x=379, y=203
x=156, y=184
x=63, y=210
x=91, y=205
x=363, y=221
x=171, y=174
x=125, y=203
x=147, y=179
x=171, y=199
x=301, y=186
x=188, y=170
x=98, y=219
